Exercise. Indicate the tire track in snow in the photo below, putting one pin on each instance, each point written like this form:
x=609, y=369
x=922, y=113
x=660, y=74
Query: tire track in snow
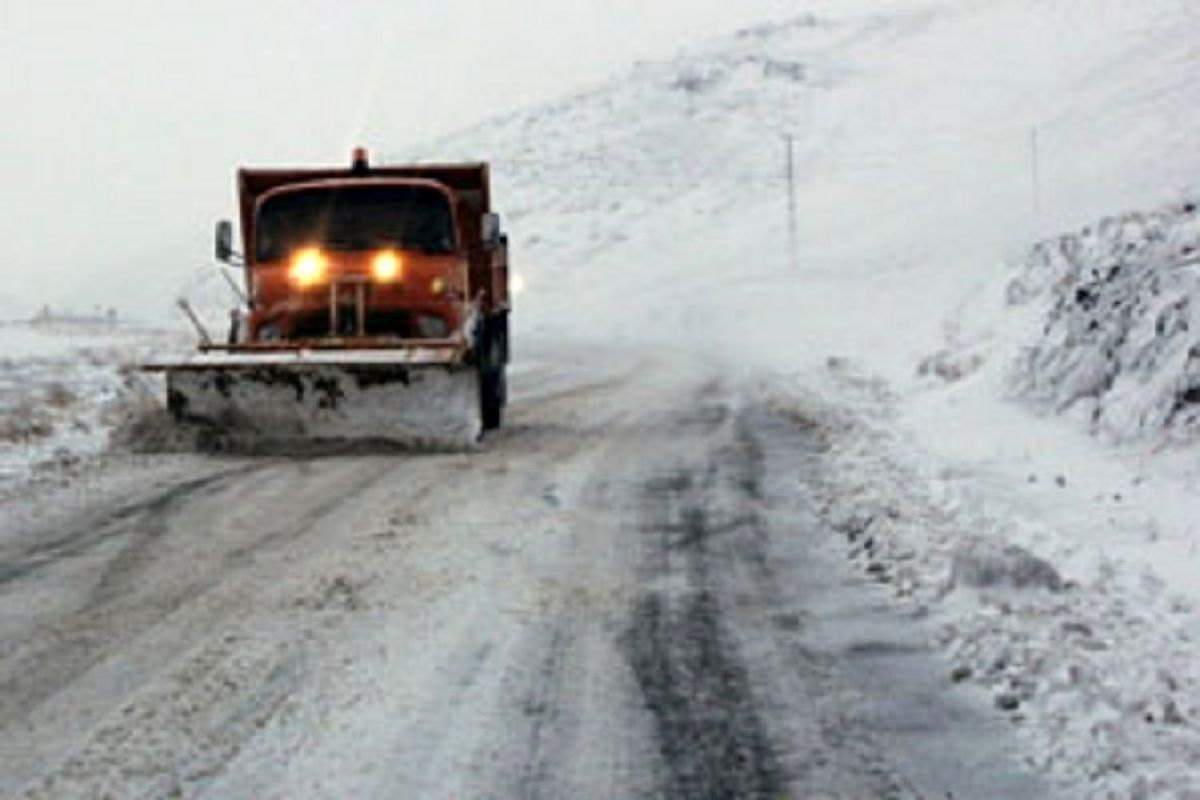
x=65, y=648
x=711, y=734
x=135, y=592
x=544, y=705
x=148, y=514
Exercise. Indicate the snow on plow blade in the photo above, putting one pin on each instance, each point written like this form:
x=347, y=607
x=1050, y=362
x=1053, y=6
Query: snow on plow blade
x=302, y=400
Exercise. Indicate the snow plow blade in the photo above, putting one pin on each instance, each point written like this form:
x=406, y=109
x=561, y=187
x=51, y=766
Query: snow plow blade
x=419, y=398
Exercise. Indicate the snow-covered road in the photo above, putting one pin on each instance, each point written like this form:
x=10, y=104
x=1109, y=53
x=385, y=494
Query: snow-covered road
x=625, y=594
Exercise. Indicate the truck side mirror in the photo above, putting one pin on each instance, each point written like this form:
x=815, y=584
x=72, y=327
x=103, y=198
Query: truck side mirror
x=489, y=229
x=224, y=242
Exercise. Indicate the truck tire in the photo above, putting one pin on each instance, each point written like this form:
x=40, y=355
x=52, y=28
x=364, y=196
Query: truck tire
x=490, y=397
x=493, y=384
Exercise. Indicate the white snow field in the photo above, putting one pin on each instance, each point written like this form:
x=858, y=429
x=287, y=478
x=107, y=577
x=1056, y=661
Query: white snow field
x=1007, y=427
x=64, y=386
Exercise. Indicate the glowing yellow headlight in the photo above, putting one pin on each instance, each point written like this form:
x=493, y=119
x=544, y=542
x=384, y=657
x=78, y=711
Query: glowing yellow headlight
x=386, y=266
x=308, y=267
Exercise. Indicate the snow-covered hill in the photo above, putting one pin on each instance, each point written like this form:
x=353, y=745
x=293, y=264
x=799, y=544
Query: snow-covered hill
x=661, y=197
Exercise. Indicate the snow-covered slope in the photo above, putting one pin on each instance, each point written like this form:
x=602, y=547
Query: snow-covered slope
x=661, y=197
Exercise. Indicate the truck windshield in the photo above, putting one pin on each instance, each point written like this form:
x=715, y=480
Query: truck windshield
x=356, y=218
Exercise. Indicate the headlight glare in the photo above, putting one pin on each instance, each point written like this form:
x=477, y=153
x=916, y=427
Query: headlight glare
x=386, y=267
x=308, y=267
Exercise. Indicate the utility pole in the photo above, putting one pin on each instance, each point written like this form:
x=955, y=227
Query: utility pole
x=1035, y=166
x=793, y=235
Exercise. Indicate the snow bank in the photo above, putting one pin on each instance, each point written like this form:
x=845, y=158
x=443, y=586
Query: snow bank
x=64, y=388
x=1088, y=651
x=1120, y=341
x=1097, y=330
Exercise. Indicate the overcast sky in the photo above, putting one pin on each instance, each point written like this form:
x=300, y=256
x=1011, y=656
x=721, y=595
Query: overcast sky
x=123, y=121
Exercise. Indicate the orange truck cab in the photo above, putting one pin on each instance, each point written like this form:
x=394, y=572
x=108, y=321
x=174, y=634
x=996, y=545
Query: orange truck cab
x=364, y=257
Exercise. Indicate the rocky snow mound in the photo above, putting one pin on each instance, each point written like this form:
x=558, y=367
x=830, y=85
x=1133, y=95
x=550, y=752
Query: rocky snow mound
x=1119, y=342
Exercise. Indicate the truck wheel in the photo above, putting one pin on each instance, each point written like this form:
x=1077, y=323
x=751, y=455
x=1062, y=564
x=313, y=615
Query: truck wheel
x=492, y=383
x=493, y=406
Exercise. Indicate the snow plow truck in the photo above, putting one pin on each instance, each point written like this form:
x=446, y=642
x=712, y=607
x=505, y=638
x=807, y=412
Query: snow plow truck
x=375, y=309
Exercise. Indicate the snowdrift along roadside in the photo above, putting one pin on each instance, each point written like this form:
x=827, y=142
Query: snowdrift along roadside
x=1120, y=340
